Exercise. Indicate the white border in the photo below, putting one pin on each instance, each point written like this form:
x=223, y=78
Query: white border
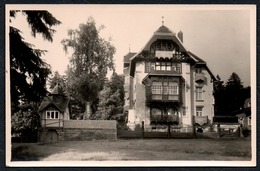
x=189, y=163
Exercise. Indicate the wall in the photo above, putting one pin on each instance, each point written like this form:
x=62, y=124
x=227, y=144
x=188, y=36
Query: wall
x=208, y=100
x=141, y=111
x=80, y=130
x=187, y=100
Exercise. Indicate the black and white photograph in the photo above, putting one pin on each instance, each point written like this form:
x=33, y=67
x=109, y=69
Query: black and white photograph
x=130, y=85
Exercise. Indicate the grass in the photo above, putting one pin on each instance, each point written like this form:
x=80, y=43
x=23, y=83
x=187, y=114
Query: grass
x=224, y=149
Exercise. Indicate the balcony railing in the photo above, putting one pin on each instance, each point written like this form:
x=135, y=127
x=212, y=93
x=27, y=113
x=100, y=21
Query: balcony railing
x=201, y=120
x=163, y=54
x=162, y=97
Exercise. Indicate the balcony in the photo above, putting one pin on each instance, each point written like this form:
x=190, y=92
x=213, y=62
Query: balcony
x=162, y=97
x=199, y=77
x=201, y=120
x=163, y=54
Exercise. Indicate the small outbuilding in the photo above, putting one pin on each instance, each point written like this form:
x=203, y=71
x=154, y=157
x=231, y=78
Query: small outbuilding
x=53, y=110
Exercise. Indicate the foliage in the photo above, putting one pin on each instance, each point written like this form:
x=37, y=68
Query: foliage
x=57, y=79
x=25, y=121
x=90, y=60
x=28, y=71
x=230, y=97
x=111, y=100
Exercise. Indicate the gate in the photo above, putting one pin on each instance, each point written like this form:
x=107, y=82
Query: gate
x=52, y=136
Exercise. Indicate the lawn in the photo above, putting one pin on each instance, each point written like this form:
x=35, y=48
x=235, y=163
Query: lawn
x=227, y=149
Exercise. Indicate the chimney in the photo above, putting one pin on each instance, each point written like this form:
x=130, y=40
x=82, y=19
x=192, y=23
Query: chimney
x=180, y=36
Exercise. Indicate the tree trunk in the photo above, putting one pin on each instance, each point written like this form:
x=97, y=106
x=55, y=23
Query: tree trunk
x=87, y=111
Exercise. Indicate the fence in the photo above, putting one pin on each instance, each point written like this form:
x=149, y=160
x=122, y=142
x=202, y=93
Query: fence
x=170, y=131
x=157, y=131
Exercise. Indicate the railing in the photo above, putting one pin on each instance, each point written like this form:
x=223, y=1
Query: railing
x=52, y=123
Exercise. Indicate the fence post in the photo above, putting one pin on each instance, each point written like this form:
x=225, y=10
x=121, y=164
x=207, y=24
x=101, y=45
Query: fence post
x=240, y=131
x=142, y=129
x=218, y=129
x=194, y=126
x=194, y=130
x=169, y=131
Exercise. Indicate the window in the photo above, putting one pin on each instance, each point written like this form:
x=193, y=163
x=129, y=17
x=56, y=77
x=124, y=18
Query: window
x=165, y=88
x=184, y=111
x=199, y=93
x=199, y=111
x=157, y=88
x=198, y=70
x=147, y=67
x=52, y=114
x=173, y=88
x=163, y=115
x=176, y=67
x=168, y=66
x=164, y=66
x=158, y=66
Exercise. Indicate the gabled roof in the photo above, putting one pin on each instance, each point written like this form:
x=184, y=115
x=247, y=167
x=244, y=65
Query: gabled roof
x=61, y=103
x=196, y=58
x=164, y=33
x=57, y=98
x=163, y=30
x=128, y=56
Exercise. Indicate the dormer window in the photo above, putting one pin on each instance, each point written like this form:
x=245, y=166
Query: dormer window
x=52, y=114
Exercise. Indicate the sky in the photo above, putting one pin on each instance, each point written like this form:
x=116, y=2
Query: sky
x=220, y=35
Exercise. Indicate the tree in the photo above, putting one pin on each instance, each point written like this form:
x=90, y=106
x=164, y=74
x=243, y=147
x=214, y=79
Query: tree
x=57, y=79
x=25, y=122
x=234, y=95
x=28, y=71
x=111, y=99
x=230, y=98
x=91, y=58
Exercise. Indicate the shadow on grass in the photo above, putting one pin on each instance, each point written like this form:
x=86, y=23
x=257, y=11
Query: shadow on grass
x=24, y=153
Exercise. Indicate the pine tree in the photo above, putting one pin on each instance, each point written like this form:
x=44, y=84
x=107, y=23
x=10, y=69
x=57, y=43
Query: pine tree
x=28, y=70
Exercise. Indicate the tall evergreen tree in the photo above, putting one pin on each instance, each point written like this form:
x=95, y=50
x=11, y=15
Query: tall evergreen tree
x=90, y=61
x=28, y=70
x=230, y=98
x=234, y=95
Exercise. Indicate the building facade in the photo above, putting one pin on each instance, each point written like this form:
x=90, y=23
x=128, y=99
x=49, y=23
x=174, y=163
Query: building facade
x=167, y=84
